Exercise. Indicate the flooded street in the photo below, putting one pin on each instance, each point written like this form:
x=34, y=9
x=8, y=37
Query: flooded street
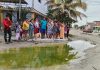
x=91, y=60
x=80, y=46
x=88, y=54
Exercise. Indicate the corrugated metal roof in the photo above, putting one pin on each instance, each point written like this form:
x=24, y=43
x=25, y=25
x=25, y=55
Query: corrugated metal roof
x=14, y=1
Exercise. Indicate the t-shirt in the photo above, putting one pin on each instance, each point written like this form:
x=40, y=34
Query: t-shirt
x=25, y=25
x=31, y=26
x=49, y=27
x=7, y=23
x=43, y=24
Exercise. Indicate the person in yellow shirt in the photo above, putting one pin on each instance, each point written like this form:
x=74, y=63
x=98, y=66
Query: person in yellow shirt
x=25, y=27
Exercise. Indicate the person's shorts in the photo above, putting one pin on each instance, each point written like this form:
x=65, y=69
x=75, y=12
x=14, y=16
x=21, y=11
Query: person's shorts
x=49, y=32
x=25, y=31
x=43, y=30
x=36, y=30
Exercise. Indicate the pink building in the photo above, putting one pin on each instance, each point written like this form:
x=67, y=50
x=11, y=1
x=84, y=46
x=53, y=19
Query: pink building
x=93, y=26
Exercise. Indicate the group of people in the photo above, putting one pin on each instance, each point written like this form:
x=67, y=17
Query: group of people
x=35, y=28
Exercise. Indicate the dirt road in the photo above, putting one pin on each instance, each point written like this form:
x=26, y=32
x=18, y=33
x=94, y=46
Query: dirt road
x=92, y=61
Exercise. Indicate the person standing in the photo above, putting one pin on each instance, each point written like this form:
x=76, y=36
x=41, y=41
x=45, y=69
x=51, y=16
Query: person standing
x=31, y=29
x=18, y=31
x=55, y=30
x=36, y=28
x=65, y=30
x=68, y=29
x=43, y=27
x=25, y=28
x=62, y=31
x=7, y=23
x=49, y=29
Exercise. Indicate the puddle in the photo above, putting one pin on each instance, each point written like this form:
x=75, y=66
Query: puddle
x=36, y=57
x=80, y=46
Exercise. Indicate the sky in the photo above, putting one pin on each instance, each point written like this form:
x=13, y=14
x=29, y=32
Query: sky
x=92, y=12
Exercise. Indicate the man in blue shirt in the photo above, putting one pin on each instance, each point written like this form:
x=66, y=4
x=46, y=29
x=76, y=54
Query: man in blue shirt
x=43, y=27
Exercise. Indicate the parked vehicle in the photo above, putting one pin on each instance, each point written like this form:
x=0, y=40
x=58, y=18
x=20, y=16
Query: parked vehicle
x=88, y=31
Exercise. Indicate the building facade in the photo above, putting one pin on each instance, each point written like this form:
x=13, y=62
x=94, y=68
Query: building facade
x=94, y=26
x=34, y=8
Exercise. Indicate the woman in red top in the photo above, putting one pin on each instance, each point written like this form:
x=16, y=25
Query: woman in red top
x=36, y=28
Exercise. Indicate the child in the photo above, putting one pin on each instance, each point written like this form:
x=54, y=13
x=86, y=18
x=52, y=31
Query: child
x=18, y=30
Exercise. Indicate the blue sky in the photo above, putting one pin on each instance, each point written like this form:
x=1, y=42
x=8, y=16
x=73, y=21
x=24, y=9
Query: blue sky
x=93, y=11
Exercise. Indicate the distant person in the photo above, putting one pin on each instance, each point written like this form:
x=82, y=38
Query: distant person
x=25, y=27
x=68, y=29
x=65, y=30
x=49, y=30
x=31, y=29
x=55, y=30
x=36, y=28
x=62, y=31
x=7, y=23
x=43, y=28
x=18, y=31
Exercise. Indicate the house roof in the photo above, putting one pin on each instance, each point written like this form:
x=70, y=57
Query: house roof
x=36, y=11
x=14, y=1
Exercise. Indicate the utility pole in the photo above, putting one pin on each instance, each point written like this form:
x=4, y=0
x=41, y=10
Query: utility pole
x=19, y=9
x=32, y=4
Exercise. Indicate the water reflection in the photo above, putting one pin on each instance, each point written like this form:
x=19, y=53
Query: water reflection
x=80, y=46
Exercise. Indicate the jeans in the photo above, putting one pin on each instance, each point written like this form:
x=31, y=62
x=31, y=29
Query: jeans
x=31, y=33
x=7, y=35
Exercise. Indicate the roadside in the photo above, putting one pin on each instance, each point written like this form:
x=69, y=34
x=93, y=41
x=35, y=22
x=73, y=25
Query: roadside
x=93, y=55
x=29, y=43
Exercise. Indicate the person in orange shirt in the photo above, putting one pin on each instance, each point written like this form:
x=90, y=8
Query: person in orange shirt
x=61, y=31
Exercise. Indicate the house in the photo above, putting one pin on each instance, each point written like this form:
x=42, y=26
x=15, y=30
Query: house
x=89, y=26
x=93, y=26
x=96, y=28
x=33, y=7
x=8, y=6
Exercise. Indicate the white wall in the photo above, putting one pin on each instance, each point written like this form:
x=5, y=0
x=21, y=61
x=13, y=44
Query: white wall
x=41, y=7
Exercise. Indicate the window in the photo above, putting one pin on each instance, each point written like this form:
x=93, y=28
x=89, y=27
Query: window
x=39, y=1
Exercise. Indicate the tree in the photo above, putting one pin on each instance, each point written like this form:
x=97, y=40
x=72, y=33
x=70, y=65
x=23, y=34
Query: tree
x=66, y=10
x=76, y=26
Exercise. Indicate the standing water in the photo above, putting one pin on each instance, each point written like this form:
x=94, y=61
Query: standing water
x=80, y=46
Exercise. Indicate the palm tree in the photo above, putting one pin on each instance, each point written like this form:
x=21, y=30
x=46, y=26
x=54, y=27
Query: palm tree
x=66, y=10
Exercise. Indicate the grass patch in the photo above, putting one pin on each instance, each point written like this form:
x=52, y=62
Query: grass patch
x=36, y=57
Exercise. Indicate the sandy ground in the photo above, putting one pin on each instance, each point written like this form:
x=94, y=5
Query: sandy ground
x=91, y=62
